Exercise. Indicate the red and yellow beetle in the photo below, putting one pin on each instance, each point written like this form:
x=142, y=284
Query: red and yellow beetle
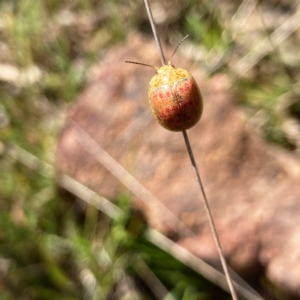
x=174, y=97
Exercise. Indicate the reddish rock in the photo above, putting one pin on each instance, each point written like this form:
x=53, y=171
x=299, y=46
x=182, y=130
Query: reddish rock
x=252, y=187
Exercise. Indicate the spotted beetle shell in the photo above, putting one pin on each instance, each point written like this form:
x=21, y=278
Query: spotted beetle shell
x=175, y=98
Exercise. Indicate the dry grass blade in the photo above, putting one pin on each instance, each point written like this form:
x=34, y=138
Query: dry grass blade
x=133, y=129
x=127, y=179
x=104, y=205
x=151, y=280
x=201, y=266
x=90, y=197
x=267, y=45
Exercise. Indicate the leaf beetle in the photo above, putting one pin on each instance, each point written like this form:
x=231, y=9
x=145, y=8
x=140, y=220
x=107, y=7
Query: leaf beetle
x=174, y=97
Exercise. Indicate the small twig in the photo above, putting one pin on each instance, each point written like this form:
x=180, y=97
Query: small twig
x=204, y=198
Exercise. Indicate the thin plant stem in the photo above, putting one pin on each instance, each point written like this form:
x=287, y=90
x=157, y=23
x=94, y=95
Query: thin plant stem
x=195, y=169
x=210, y=217
x=160, y=49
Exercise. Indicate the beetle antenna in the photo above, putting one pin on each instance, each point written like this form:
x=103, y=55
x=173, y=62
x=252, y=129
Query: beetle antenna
x=178, y=46
x=138, y=63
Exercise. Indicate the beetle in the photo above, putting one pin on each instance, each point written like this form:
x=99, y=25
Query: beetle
x=174, y=97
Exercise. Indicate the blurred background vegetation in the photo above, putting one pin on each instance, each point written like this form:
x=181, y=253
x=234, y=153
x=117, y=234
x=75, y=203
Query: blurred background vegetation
x=47, y=51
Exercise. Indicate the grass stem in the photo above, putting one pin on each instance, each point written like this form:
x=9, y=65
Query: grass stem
x=209, y=216
x=160, y=49
x=189, y=148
